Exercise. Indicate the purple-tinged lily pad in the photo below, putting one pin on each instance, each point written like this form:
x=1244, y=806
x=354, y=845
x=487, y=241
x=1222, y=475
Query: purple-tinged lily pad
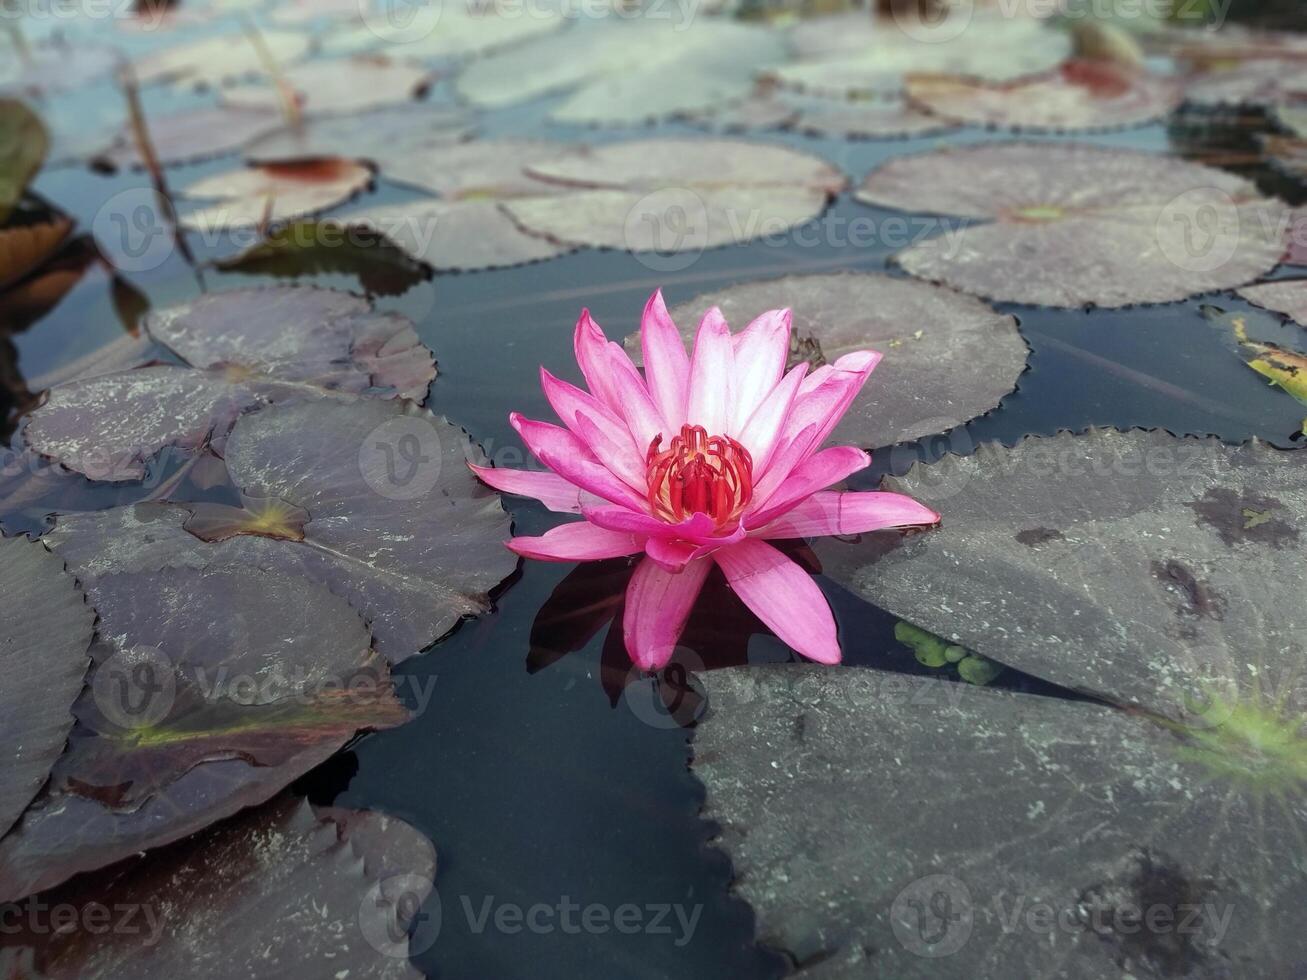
x=947, y=357
x=214, y=60
x=267, y=193
x=45, y=630
x=338, y=86
x=375, y=136
x=1071, y=224
x=397, y=523
x=892, y=826
x=1076, y=96
x=241, y=348
x=1287, y=296
x=672, y=195
x=316, y=895
x=621, y=71
x=1151, y=571
x=816, y=116
x=193, y=135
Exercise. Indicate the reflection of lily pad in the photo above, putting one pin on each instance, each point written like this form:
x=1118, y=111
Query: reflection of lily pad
x=621, y=71
x=1072, y=224
x=240, y=353
x=1078, y=95
x=274, y=191
x=45, y=628
x=966, y=359
x=894, y=826
x=327, y=895
x=398, y=524
x=1145, y=569
x=677, y=194
x=853, y=54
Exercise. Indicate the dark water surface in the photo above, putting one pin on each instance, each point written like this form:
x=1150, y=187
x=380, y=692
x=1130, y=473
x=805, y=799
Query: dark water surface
x=541, y=776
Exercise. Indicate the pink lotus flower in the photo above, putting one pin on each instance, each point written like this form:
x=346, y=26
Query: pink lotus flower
x=702, y=460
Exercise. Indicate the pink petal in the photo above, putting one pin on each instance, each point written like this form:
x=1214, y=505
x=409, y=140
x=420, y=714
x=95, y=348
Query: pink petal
x=826, y=395
x=817, y=472
x=570, y=458
x=788, y=453
x=637, y=406
x=604, y=433
x=672, y=555
x=712, y=371
x=578, y=541
x=666, y=365
x=761, y=351
x=698, y=529
x=548, y=488
x=831, y=512
x=658, y=603
x=591, y=347
x=783, y=596
x=762, y=430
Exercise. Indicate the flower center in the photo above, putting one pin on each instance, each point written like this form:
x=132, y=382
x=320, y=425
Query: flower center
x=699, y=474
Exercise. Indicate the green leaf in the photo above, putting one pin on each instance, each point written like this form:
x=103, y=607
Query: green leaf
x=930, y=650
x=23, y=145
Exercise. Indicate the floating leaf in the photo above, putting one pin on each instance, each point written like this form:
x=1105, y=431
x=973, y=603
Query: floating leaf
x=238, y=353
x=53, y=68
x=23, y=145
x=851, y=118
x=853, y=54
x=468, y=228
x=329, y=895
x=883, y=825
x=271, y=192
x=45, y=629
x=622, y=71
x=1078, y=95
x=1281, y=366
x=457, y=28
x=383, y=134
x=1047, y=549
x=309, y=248
x=398, y=525
x=1287, y=296
x=24, y=248
x=339, y=85
x=967, y=358
x=214, y=60
x=1251, y=81
x=1070, y=224
x=193, y=134
x=671, y=195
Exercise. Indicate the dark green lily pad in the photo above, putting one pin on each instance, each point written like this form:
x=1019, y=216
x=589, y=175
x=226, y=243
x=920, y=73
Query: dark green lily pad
x=398, y=525
x=1072, y=224
x=1151, y=571
x=241, y=349
x=892, y=826
x=326, y=895
x=964, y=360
x=45, y=629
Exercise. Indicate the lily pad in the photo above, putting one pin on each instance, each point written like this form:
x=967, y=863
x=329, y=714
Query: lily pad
x=54, y=68
x=1048, y=548
x=672, y=195
x=815, y=116
x=339, y=85
x=193, y=135
x=853, y=54
x=623, y=71
x=966, y=359
x=468, y=228
x=46, y=630
x=214, y=60
x=238, y=353
x=1071, y=224
x=345, y=887
x=455, y=29
x=1287, y=296
x=382, y=134
x=23, y=145
x=1076, y=96
x=884, y=825
x=1247, y=81
x=274, y=191
x=398, y=525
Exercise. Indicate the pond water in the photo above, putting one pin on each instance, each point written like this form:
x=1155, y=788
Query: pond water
x=544, y=769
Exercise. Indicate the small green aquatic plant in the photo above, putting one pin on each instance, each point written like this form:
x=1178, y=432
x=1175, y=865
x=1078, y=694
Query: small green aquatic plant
x=936, y=652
